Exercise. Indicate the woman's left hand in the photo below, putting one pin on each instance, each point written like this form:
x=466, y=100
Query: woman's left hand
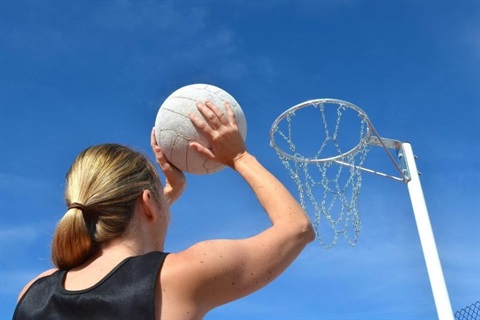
x=175, y=179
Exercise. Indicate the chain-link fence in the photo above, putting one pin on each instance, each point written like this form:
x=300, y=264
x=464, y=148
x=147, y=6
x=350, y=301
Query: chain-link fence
x=471, y=312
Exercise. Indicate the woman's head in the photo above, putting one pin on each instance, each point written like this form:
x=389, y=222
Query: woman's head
x=106, y=181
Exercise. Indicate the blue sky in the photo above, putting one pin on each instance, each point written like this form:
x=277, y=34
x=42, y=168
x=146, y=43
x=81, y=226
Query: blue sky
x=79, y=73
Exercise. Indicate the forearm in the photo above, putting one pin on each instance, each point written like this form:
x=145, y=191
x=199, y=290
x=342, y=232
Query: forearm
x=281, y=207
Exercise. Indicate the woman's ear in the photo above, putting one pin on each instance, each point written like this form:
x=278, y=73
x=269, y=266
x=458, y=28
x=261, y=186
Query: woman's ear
x=147, y=206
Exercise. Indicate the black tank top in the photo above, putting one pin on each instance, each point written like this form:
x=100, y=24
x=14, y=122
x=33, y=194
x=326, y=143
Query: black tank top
x=127, y=292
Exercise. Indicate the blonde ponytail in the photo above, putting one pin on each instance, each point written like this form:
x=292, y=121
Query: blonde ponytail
x=72, y=243
x=102, y=189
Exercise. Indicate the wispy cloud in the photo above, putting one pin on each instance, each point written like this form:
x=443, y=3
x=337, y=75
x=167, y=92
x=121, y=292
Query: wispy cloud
x=184, y=40
x=15, y=234
x=34, y=194
x=15, y=181
x=163, y=16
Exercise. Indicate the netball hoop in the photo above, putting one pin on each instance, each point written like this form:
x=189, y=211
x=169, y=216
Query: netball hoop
x=323, y=144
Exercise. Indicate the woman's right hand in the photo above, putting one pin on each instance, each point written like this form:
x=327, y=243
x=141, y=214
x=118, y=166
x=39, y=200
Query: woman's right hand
x=227, y=145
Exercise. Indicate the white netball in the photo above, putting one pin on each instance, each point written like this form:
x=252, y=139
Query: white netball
x=174, y=129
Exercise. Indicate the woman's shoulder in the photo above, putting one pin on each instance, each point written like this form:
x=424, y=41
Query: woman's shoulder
x=41, y=275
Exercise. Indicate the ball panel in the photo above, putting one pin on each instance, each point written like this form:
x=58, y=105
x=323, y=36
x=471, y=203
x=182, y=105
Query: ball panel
x=178, y=153
x=212, y=167
x=200, y=165
x=177, y=119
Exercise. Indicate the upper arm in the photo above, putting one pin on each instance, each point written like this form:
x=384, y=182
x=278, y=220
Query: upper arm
x=218, y=271
x=43, y=274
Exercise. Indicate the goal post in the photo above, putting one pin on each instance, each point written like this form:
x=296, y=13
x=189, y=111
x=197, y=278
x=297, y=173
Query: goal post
x=317, y=144
x=427, y=240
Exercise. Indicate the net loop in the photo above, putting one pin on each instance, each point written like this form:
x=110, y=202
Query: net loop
x=328, y=178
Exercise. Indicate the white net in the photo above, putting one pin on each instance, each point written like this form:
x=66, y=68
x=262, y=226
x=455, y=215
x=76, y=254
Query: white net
x=314, y=142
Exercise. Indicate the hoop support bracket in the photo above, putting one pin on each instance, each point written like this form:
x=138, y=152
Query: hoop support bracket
x=400, y=163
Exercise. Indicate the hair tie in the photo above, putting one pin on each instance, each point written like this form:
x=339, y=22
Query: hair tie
x=76, y=205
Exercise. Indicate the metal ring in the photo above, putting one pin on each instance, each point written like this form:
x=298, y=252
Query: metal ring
x=362, y=144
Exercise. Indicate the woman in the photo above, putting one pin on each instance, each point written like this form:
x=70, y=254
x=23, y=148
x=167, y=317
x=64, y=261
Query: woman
x=108, y=248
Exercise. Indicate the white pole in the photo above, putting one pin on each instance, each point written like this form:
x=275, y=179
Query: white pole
x=430, y=253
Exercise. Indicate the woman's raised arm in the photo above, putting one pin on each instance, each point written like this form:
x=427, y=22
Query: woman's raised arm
x=218, y=271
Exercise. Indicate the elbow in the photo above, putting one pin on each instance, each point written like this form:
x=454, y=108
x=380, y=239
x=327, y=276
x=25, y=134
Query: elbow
x=308, y=233
x=304, y=233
